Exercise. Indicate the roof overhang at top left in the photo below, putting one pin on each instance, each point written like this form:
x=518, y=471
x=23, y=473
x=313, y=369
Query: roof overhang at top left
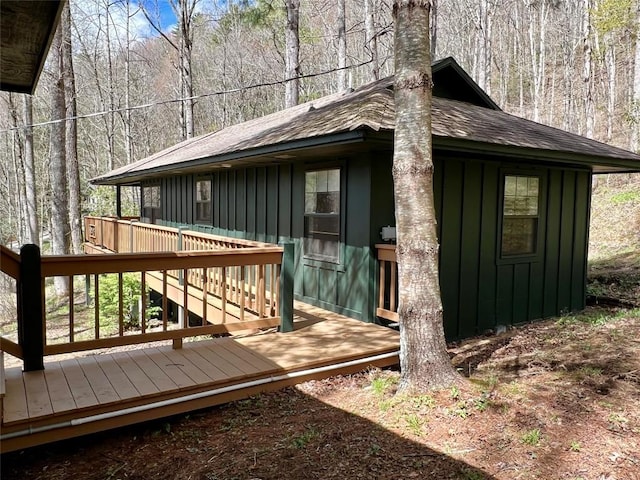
x=26, y=32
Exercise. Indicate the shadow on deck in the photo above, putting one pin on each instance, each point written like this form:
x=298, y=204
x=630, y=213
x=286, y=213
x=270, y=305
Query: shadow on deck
x=88, y=394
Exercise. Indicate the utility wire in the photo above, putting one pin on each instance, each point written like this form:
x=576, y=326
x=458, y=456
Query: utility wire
x=177, y=100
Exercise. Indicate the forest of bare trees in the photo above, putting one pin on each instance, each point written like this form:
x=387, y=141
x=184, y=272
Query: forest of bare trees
x=138, y=83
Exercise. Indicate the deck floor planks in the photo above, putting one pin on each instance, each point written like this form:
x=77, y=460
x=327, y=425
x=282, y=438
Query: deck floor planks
x=15, y=400
x=118, y=379
x=172, y=367
x=38, y=401
x=59, y=391
x=217, y=358
x=78, y=384
x=177, y=357
x=264, y=363
x=236, y=356
x=192, y=353
x=150, y=375
x=142, y=383
x=156, y=374
x=104, y=391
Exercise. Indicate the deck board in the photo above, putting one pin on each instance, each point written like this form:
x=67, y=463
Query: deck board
x=159, y=378
x=118, y=379
x=59, y=391
x=142, y=383
x=38, y=400
x=100, y=384
x=80, y=387
x=15, y=400
x=177, y=357
x=70, y=396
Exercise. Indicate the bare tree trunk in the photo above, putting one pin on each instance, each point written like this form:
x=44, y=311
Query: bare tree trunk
x=17, y=157
x=57, y=166
x=185, y=13
x=342, y=46
x=71, y=133
x=128, y=140
x=434, y=28
x=635, y=101
x=30, y=174
x=424, y=361
x=589, y=109
x=292, y=56
x=371, y=38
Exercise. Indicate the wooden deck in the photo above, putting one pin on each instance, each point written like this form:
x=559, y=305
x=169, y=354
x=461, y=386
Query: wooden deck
x=87, y=394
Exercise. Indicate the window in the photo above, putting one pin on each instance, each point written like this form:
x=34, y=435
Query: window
x=151, y=209
x=203, y=201
x=520, y=215
x=322, y=215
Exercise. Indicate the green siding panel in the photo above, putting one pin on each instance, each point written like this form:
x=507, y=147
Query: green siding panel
x=552, y=242
x=487, y=285
x=451, y=244
x=470, y=249
x=566, y=242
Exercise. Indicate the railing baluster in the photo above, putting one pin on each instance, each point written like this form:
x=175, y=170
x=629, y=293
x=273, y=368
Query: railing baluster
x=205, y=303
x=224, y=294
x=120, y=304
x=96, y=303
x=165, y=302
x=71, y=309
x=143, y=300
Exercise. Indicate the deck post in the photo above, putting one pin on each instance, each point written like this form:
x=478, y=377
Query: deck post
x=286, y=287
x=30, y=312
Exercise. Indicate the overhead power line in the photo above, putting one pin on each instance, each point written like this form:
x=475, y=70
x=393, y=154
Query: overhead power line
x=178, y=100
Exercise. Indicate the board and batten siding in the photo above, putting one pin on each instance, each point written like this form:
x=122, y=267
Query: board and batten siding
x=266, y=203
x=479, y=288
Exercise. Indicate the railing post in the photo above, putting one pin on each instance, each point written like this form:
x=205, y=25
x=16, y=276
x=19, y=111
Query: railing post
x=180, y=247
x=30, y=313
x=286, y=287
x=131, y=236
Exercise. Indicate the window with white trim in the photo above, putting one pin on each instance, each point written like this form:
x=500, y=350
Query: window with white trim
x=322, y=215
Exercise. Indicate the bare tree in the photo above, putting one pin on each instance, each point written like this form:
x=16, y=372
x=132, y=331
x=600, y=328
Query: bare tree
x=30, y=174
x=371, y=38
x=342, y=46
x=292, y=55
x=424, y=361
x=71, y=133
x=60, y=231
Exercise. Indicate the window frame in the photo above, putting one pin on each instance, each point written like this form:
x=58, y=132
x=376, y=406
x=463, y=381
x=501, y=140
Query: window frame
x=311, y=259
x=196, y=218
x=539, y=235
x=151, y=211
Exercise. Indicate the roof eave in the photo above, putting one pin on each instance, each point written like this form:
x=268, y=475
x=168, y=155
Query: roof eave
x=135, y=177
x=596, y=163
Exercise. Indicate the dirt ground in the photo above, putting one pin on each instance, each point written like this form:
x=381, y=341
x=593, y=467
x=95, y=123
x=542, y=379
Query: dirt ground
x=558, y=399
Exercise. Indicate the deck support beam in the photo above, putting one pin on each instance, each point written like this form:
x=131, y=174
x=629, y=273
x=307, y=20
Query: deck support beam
x=30, y=311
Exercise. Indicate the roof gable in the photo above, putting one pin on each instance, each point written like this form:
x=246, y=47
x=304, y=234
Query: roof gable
x=452, y=82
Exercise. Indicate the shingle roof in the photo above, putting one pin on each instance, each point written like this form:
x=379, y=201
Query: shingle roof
x=371, y=107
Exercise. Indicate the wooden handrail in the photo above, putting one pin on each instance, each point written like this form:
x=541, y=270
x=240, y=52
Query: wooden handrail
x=10, y=263
x=65, y=265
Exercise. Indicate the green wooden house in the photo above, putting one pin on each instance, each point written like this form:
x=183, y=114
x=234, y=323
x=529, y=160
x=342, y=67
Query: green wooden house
x=512, y=198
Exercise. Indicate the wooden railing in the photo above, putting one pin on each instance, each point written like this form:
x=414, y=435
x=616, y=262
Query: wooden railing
x=388, y=282
x=220, y=291
x=128, y=236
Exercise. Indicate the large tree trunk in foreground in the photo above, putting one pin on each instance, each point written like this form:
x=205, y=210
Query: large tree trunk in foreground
x=424, y=361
